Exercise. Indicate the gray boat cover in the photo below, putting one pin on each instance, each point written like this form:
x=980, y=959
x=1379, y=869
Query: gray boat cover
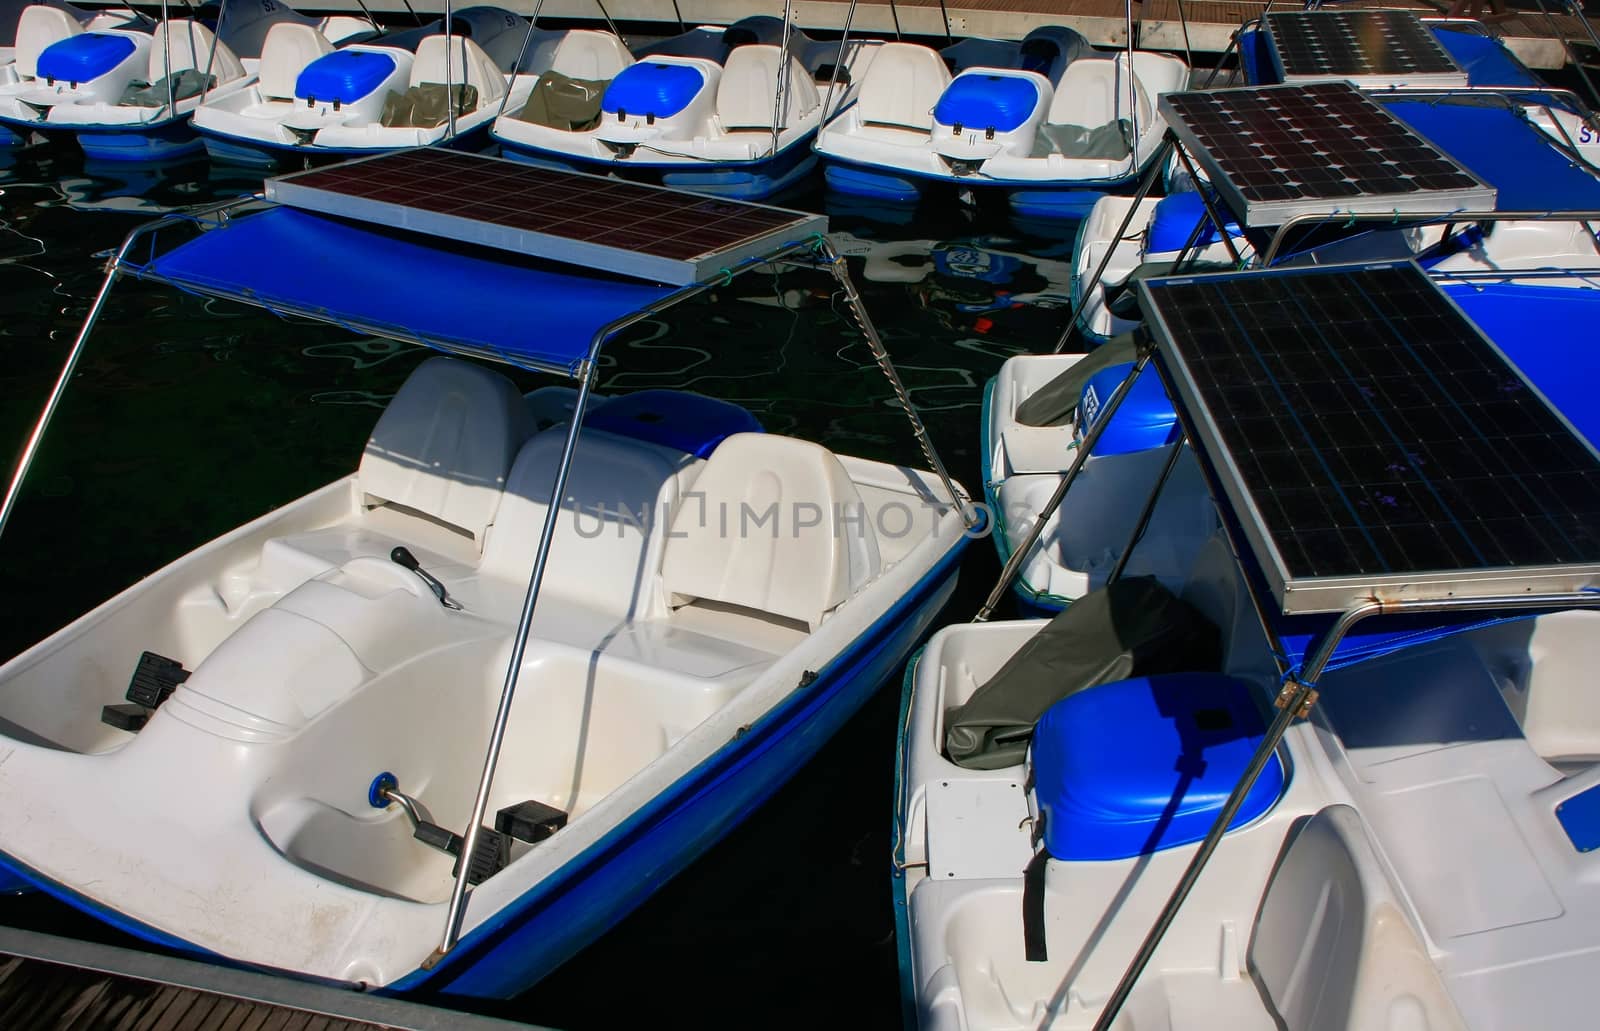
x=1056, y=403
x=562, y=102
x=423, y=106
x=1131, y=628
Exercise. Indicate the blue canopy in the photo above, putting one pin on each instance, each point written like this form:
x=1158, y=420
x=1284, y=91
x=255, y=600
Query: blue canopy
x=1505, y=150
x=1486, y=61
x=391, y=284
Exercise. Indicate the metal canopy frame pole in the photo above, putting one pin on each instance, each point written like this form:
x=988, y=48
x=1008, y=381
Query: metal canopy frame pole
x=1149, y=510
x=1019, y=555
x=449, y=98
x=838, y=62
x=29, y=450
x=1422, y=218
x=778, y=112
x=166, y=48
x=1145, y=185
x=1211, y=212
x=522, y=55
x=502, y=716
x=1299, y=694
x=841, y=272
x=1133, y=95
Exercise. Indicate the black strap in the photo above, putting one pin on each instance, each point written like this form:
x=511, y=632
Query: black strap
x=1033, y=907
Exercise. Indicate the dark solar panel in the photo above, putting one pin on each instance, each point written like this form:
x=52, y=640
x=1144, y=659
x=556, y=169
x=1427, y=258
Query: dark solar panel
x=1370, y=437
x=1368, y=48
x=669, y=236
x=1276, y=152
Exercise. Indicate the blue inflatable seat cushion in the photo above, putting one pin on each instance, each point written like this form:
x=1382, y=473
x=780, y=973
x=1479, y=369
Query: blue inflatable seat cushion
x=984, y=100
x=1144, y=420
x=649, y=88
x=689, y=422
x=1137, y=766
x=83, y=58
x=1175, y=219
x=344, y=75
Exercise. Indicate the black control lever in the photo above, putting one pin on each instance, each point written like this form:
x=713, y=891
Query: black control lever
x=402, y=556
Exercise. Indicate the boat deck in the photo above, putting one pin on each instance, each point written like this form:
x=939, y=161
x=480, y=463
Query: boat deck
x=1536, y=38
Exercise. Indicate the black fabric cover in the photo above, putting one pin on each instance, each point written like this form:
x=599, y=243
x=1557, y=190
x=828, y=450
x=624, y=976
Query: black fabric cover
x=562, y=102
x=1133, y=627
x=1056, y=403
x=423, y=106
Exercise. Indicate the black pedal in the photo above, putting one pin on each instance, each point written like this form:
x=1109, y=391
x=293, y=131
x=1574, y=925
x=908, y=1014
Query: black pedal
x=131, y=718
x=154, y=679
x=489, y=856
x=441, y=838
x=529, y=821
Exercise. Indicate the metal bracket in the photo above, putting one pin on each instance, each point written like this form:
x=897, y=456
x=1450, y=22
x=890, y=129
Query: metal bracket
x=1291, y=688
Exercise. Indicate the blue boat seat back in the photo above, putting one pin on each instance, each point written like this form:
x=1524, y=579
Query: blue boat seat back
x=344, y=75
x=987, y=100
x=1174, y=222
x=85, y=57
x=652, y=88
x=1144, y=420
x=1136, y=766
x=677, y=419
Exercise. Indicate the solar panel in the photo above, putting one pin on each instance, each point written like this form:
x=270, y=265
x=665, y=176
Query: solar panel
x=655, y=233
x=1367, y=48
x=1372, y=440
x=1276, y=152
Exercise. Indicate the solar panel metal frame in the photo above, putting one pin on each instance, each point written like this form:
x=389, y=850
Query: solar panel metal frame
x=1421, y=203
x=1323, y=594
x=1455, y=77
x=700, y=268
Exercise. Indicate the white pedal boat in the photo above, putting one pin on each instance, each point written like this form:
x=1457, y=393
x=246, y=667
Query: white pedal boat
x=678, y=655
x=125, y=90
x=1419, y=853
x=318, y=97
x=700, y=111
x=1055, y=120
x=40, y=33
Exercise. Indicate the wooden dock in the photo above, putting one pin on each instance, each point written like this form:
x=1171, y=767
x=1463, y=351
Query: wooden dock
x=1536, y=38
x=62, y=984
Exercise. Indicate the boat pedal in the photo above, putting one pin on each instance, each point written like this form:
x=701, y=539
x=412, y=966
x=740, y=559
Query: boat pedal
x=434, y=836
x=489, y=856
x=154, y=680
x=529, y=821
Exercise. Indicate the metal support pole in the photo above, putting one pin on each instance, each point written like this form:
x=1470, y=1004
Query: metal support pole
x=480, y=804
x=1133, y=96
x=166, y=48
x=943, y=13
x=841, y=272
x=894, y=13
x=32, y=447
x=778, y=113
x=683, y=26
x=838, y=62
x=1298, y=695
x=607, y=16
x=449, y=91
x=1211, y=211
x=1145, y=185
x=1148, y=512
x=522, y=55
x=1013, y=565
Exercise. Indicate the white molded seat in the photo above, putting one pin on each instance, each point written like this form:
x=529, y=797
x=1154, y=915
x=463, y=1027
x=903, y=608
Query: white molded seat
x=37, y=28
x=191, y=45
x=749, y=89
x=1093, y=91
x=287, y=51
x=590, y=54
x=468, y=64
x=444, y=444
x=774, y=525
x=902, y=85
x=1332, y=950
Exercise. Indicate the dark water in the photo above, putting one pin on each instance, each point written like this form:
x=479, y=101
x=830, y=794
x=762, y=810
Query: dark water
x=187, y=418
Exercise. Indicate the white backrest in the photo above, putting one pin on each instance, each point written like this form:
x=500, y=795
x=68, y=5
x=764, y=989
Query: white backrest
x=742, y=536
x=749, y=89
x=467, y=63
x=1332, y=950
x=607, y=546
x=287, y=51
x=191, y=45
x=444, y=444
x=901, y=86
x=1093, y=91
x=38, y=27
x=590, y=54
